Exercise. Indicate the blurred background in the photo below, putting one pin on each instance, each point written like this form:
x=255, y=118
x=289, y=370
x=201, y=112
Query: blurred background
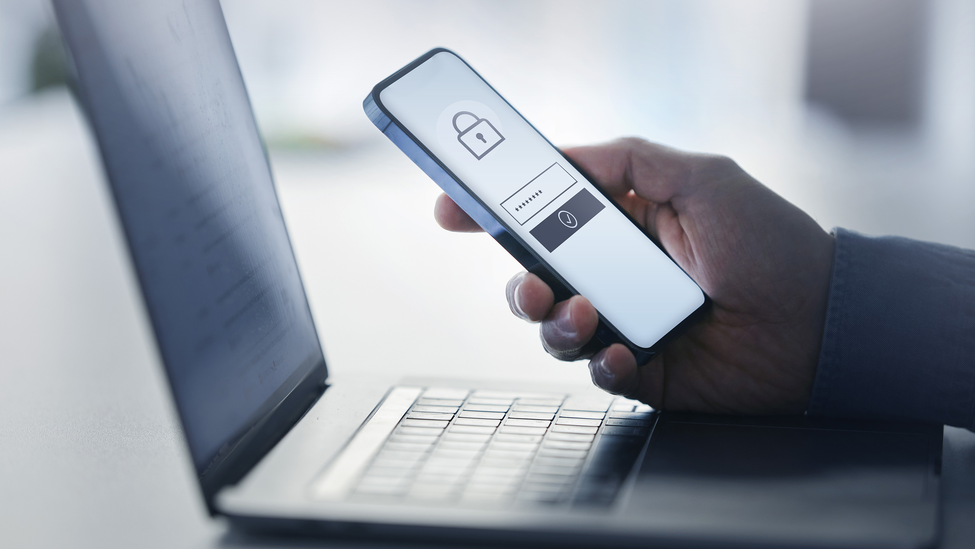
x=861, y=112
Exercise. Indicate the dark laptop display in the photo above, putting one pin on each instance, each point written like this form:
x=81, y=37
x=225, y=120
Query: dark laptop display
x=194, y=194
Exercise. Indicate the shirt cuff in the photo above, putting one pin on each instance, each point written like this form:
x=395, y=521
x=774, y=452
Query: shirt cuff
x=899, y=338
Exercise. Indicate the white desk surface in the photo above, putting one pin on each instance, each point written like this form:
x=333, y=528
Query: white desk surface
x=90, y=452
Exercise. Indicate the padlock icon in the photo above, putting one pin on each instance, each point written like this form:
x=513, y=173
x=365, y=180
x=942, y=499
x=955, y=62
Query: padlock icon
x=479, y=137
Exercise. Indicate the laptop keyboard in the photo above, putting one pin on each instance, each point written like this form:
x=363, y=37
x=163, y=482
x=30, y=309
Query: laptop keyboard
x=492, y=448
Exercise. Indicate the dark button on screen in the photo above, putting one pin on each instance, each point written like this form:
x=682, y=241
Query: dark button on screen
x=565, y=221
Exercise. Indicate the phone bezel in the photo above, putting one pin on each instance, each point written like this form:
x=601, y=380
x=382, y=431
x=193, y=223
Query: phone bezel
x=649, y=351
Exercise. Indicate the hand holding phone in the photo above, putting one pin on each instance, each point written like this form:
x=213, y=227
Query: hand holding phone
x=765, y=263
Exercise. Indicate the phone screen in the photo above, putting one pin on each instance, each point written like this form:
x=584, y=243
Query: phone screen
x=537, y=195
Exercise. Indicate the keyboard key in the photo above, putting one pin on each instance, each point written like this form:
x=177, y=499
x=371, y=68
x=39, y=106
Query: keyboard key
x=400, y=456
x=446, y=478
x=453, y=403
x=450, y=444
x=487, y=393
x=514, y=465
x=499, y=474
x=445, y=393
x=552, y=473
x=532, y=415
x=491, y=453
x=524, y=408
x=431, y=423
x=527, y=422
x=546, y=478
x=443, y=476
x=437, y=409
x=582, y=414
x=491, y=401
x=586, y=404
x=518, y=437
x=523, y=430
x=505, y=481
x=447, y=453
x=626, y=431
x=482, y=415
x=540, y=401
x=445, y=465
x=570, y=437
x=559, y=452
x=631, y=415
x=578, y=421
x=471, y=430
x=628, y=422
x=430, y=415
x=452, y=436
x=558, y=462
x=568, y=444
x=422, y=431
x=485, y=408
x=575, y=429
x=479, y=422
x=517, y=446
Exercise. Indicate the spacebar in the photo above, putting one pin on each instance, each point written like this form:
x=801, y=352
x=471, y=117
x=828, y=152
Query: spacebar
x=345, y=470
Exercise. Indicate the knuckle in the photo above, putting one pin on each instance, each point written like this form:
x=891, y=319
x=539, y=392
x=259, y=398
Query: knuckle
x=713, y=166
x=633, y=142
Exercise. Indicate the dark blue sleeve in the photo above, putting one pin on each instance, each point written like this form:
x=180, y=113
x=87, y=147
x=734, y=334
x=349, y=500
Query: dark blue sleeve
x=899, y=340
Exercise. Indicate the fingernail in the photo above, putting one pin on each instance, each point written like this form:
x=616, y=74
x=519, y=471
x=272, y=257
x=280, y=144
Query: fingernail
x=514, y=296
x=599, y=372
x=563, y=323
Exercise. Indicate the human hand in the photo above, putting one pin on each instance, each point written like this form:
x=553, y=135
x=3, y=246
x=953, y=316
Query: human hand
x=765, y=264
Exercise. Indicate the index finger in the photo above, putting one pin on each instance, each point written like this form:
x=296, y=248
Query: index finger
x=654, y=172
x=450, y=216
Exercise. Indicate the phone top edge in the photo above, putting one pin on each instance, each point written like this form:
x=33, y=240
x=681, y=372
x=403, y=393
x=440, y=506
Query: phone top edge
x=385, y=82
x=606, y=332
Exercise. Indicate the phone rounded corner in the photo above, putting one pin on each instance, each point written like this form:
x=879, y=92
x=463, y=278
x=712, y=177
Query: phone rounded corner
x=441, y=49
x=369, y=100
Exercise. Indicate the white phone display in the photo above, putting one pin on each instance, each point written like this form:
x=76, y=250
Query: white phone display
x=457, y=121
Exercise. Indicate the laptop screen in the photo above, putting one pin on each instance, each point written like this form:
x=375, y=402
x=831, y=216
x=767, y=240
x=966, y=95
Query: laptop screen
x=161, y=87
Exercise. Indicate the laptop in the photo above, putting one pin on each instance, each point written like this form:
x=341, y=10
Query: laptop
x=278, y=447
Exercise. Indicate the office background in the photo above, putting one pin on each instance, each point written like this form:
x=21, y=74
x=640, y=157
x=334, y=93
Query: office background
x=860, y=112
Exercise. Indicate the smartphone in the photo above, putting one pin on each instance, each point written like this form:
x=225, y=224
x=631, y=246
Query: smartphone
x=534, y=201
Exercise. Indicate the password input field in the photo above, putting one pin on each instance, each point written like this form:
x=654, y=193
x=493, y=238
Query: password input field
x=538, y=193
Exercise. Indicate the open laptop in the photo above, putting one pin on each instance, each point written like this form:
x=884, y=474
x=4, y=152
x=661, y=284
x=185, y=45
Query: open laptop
x=278, y=448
